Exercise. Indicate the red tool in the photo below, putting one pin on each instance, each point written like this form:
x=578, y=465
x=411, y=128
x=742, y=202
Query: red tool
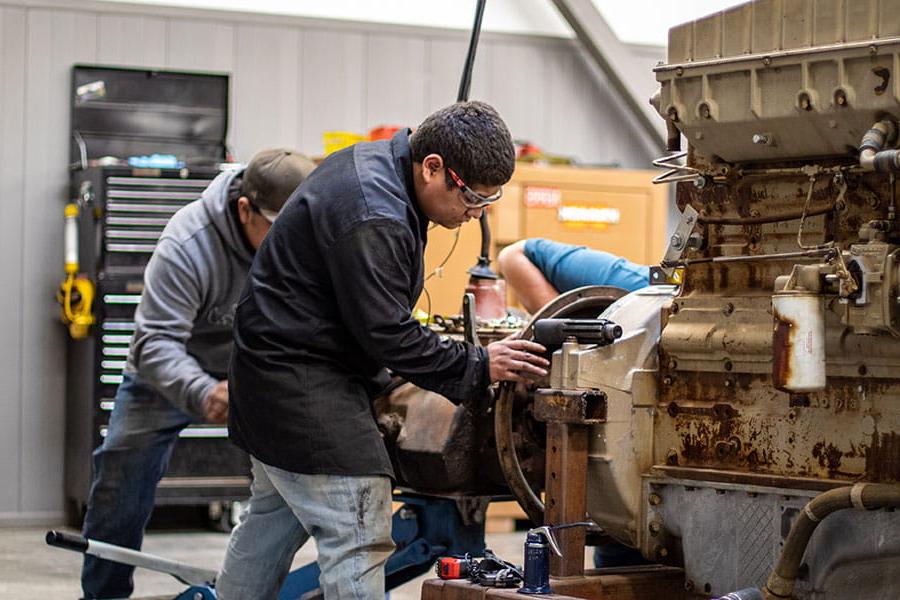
x=451, y=567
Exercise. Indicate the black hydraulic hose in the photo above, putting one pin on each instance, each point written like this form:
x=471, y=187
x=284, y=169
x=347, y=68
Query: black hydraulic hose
x=862, y=496
x=464, y=85
x=485, y=235
x=466, y=81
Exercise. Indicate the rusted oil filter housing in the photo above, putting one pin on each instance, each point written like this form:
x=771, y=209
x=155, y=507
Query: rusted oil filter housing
x=798, y=341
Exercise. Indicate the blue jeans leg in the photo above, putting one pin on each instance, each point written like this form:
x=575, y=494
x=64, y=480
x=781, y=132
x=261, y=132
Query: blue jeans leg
x=263, y=544
x=350, y=519
x=128, y=465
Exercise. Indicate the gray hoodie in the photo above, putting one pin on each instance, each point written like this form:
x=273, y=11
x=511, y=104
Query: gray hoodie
x=182, y=338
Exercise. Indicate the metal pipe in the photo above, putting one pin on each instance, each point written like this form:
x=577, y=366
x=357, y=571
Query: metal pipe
x=767, y=219
x=862, y=496
x=872, y=155
x=809, y=254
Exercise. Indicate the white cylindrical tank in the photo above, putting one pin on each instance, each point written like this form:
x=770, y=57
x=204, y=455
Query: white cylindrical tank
x=798, y=341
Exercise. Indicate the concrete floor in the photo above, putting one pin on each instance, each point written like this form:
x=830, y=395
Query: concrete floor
x=31, y=569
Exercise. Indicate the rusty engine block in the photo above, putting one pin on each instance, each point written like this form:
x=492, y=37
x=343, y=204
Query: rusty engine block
x=771, y=373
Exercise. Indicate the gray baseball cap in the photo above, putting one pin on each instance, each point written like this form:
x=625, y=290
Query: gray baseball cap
x=272, y=176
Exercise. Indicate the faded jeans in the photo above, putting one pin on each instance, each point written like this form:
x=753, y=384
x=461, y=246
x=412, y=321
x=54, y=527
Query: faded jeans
x=128, y=465
x=349, y=517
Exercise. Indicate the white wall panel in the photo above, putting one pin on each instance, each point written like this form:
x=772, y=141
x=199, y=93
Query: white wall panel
x=446, y=59
x=133, y=41
x=266, y=89
x=573, y=123
x=332, y=85
x=12, y=166
x=518, y=88
x=396, y=80
x=200, y=45
x=56, y=40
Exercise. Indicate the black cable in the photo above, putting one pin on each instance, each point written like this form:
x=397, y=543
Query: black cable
x=466, y=81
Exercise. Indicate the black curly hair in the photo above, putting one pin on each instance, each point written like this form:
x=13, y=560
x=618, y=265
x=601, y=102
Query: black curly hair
x=473, y=141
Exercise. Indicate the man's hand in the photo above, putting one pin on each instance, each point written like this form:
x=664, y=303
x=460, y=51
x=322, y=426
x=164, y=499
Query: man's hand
x=215, y=405
x=516, y=360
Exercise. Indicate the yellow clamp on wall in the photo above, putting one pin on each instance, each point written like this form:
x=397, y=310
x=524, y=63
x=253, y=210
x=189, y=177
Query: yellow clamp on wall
x=76, y=293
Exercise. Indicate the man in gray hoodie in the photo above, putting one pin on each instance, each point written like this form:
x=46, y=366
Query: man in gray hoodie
x=178, y=360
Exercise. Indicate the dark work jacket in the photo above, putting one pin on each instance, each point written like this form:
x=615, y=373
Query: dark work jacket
x=328, y=304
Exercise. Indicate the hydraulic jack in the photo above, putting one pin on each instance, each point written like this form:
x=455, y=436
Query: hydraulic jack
x=423, y=529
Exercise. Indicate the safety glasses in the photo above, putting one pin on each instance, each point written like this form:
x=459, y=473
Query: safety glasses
x=471, y=198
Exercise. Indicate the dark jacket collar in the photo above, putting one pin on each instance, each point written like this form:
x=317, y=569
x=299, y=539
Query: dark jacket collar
x=403, y=163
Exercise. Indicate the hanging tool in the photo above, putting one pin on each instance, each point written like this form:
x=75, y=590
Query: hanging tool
x=76, y=292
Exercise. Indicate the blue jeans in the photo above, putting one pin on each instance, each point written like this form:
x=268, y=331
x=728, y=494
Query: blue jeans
x=128, y=465
x=349, y=517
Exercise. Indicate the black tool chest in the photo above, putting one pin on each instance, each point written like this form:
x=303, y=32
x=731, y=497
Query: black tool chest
x=123, y=212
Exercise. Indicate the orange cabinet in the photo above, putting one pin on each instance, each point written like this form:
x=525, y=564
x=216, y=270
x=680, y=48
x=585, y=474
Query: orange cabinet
x=615, y=210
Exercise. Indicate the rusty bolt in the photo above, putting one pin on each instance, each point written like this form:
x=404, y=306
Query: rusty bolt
x=729, y=382
x=672, y=364
x=728, y=309
x=728, y=365
x=661, y=552
x=655, y=499
x=675, y=308
x=873, y=201
x=679, y=71
x=667, y=380
x=840, y=98
x=873, y=49
x=805, y=102
x=672, y=457
x=863, y=370
x=792, y=414
x=767, y=61
x=704, y=111
x=655, y=527
x=689, y=585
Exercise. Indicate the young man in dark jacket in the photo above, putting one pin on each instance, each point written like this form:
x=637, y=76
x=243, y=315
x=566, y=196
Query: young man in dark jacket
x=179, y=352
x=328, y=304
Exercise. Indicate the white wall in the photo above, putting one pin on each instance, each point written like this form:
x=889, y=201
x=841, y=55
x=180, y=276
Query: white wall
x=292, y=79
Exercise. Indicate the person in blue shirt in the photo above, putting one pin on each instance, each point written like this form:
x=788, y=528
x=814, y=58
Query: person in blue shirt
x=539, y=270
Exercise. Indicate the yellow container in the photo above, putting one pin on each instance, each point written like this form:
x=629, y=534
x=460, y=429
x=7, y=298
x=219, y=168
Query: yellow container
x=338, y=140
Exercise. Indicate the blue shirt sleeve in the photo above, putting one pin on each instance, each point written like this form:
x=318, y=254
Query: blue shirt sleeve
x=567, y=267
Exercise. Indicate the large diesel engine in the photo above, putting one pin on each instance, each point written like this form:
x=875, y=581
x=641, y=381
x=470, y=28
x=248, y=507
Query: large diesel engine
x=769, y=375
